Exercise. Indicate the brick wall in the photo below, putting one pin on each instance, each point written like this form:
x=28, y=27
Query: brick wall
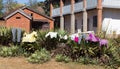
x=18, y=21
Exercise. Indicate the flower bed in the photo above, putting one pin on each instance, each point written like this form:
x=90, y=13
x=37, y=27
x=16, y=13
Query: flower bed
x=79, y=47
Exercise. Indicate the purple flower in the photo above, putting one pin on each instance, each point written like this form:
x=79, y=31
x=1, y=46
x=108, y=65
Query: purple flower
x=103, y=42
x=92, y=37
x=76, y=39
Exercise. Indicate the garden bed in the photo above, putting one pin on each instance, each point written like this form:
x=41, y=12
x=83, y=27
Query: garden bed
x=75, y=51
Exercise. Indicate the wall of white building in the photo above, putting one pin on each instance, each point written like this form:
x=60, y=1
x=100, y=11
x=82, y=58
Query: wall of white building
x=111, y=20
x=111, y=13
x=79, y=20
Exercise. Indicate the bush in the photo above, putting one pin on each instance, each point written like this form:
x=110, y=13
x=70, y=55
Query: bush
x=41, y=40
x=51, y=41
x=84, y=49
x=30, y=47
x=5, y=35
x=114, y=54
x=39, y=56
x=87, y=60
x=10, y=51
x=61, y=58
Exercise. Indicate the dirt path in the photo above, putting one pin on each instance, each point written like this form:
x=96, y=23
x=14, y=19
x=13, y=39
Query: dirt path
x=21, y=63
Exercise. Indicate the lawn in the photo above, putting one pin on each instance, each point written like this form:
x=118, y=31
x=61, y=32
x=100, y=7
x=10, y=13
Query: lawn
x=21, y=63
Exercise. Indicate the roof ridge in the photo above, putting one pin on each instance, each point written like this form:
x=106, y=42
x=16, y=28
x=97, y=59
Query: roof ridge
x=20, y=11
x=38, y=12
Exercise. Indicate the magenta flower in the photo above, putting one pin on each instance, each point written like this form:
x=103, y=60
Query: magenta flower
x=76, y=39
x=103, y=42
x=92, y=37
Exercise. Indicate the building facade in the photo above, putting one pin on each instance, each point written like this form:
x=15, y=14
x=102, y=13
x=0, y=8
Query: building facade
x=86, y=15
x=28, y=19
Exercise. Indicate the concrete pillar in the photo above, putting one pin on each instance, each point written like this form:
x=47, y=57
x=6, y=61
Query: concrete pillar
x=72, y=17
x=51, y=9
x=61, y=15
x=99, y=14
x=84, y=16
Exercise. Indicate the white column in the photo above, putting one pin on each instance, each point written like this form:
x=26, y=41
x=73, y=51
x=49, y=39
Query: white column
x=72, y=17
x=61, y=15
x=84, y=16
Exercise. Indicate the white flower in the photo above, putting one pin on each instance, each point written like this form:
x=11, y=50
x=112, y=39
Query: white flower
x=51, y=34
x=74, y=35
x=63, y=37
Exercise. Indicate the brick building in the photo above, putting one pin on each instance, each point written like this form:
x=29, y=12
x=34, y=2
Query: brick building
x=28, y=19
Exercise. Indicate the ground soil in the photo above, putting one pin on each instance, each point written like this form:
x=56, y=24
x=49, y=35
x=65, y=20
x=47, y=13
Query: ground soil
x=21, y=63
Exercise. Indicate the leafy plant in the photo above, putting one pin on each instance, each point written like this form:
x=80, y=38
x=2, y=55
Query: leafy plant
x=10, y=51
x=51, y=41
x=5, y=35
x=63, y=36
x=30, y=47
x=88, y=60
x=39, y=56
x=61, y=58
x=41, y=40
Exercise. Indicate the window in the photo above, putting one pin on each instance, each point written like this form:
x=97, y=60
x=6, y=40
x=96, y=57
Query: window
x=88, y=26
x=94, y=21
x=31, y=14
x=76, y=1
x=17, y=17
x=82, y=26
x=75, y=24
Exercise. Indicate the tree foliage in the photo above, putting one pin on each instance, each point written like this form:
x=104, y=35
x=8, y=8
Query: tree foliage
x=46, y=5
x=10, y=5
x=1, y=7
x=32, y=4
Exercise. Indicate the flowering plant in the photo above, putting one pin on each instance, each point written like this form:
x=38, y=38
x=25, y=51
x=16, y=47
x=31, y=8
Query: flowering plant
x=29, y=43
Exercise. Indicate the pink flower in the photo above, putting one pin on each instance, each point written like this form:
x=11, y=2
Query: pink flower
x=92, y=37
x=103, y=42
x=76, y=39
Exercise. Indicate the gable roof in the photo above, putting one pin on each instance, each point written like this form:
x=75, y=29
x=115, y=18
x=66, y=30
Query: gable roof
x=37, y=12
x=18, y=11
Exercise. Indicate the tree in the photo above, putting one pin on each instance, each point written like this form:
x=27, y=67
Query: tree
x=10, y=5
x=33, y=4
x=46, y=5
x=1, y=7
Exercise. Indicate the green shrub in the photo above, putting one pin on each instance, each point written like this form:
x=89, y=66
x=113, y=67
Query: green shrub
x=61, y=58
x=114, y=54
x=62, y=33
x=5, y=35
x=39, y=56
x=30, y=47
x=87, y=60
x=84, y=49
x=10, y=51
x=118, y=40
x=41, y=40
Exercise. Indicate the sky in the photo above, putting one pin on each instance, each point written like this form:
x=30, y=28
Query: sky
x=25, y=1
